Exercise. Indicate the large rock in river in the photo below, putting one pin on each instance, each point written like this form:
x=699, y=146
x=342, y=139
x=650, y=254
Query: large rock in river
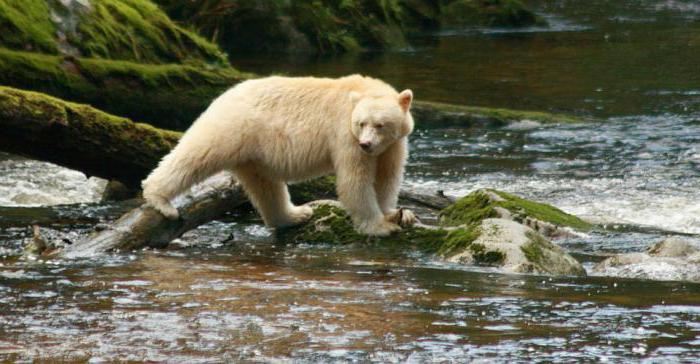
x=478, y=229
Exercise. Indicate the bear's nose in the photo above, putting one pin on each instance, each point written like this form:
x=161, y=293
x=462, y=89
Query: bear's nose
x=365, y=146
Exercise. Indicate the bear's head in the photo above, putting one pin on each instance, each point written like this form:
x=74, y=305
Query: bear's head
x=378, y=121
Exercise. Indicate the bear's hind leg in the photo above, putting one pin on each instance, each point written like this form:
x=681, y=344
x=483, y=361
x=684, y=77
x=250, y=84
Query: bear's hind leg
x=271, y=199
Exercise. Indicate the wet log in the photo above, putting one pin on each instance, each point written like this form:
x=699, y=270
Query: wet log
x=145, y=227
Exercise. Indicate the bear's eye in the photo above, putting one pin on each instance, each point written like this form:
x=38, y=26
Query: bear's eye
x=363, y=124
x=379, y=126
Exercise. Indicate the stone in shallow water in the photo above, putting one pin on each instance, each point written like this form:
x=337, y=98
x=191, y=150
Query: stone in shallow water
x=673, y=259
x=485, y=238
x=520, y=248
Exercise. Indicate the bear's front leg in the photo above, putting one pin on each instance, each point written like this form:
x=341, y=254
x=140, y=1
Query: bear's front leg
x=355, y=185
x=389, y=174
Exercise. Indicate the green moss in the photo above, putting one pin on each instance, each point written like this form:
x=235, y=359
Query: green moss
x=439, y=115
x=547, y=257
x=137, y=30
x=482, y=256
x=540, y=211
x=480, y=205
x=468, y=210
x=332, y=225
x=456, y=241
x=99, y=143
x=138, y=91
x=26, y=25
x=334, y=26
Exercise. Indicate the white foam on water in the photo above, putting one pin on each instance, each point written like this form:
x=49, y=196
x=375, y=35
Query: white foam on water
x=602, y=200
x=25, y=182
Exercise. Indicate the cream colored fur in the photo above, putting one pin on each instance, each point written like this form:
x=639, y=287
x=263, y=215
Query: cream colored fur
x=275, y=130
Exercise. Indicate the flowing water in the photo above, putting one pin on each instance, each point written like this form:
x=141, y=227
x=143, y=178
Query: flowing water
x=240, y=296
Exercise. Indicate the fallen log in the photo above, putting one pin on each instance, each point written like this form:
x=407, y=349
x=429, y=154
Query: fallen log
x=167, y=95
x=80, y=137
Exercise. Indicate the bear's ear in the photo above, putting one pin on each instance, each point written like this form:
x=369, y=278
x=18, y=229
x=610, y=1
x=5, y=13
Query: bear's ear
x=405, y=98
x=355, y=97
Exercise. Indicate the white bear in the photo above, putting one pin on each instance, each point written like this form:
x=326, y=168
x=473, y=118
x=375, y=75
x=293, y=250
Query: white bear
x=275, y=130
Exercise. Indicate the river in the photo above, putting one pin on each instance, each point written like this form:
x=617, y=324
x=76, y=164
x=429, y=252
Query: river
x=238, y=295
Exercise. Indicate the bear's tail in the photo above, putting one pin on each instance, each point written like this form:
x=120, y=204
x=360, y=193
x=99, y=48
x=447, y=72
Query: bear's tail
x=179, y=170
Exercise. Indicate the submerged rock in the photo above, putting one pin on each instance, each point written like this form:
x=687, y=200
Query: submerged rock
x=673, y=259
x=475, y=234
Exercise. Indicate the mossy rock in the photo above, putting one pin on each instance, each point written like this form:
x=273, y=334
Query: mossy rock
x=440, y=115
x=490, y=13
x=488, y=203
x=131, y=30
x=169, y=95
x=499, y=243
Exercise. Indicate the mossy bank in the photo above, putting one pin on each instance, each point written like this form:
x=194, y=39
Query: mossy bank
x=131, y=30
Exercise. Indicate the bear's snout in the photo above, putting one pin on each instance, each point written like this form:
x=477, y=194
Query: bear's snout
x=366, y=146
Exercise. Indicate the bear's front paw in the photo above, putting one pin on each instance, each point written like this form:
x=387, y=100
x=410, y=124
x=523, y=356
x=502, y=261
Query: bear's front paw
x=381, y=228
x=301, y=214
x=402, y=216
x=295, y=216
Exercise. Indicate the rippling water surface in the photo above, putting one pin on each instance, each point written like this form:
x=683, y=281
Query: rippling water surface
x=239, y=295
